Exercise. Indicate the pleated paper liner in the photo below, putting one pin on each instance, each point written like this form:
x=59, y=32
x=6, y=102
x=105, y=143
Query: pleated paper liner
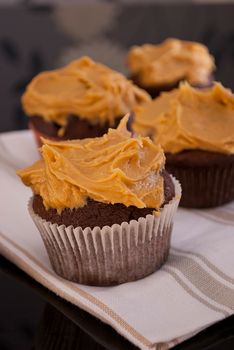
x=205, y=187
x=112, y=254
x=38, y=135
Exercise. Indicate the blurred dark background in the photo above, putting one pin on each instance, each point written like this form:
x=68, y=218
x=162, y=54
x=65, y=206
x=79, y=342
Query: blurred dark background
x=39, y=37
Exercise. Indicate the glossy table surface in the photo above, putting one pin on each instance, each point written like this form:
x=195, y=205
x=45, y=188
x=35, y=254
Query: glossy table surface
x=31, y=317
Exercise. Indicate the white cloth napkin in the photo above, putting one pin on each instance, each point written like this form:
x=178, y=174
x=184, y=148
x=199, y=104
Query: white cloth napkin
x=193, y=290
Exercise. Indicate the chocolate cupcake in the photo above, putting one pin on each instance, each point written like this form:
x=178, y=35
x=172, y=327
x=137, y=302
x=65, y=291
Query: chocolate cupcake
x=79, y=101
x=196, y=130
x=162, y=67
x=104, y=206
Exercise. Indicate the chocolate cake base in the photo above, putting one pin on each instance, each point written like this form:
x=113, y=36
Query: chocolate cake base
x=76, y=128
x=99, y=214
x=155, y=91
x=207, y=178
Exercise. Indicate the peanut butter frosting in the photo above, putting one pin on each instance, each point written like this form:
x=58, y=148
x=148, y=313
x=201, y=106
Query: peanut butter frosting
x=83, y=88
x=188, y=118
x=115, y=168
x=171, y=61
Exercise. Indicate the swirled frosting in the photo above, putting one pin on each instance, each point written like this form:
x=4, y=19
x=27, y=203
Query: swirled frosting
x=83, y=88
x=171, y=61
x=115, y=168
x=188, y=118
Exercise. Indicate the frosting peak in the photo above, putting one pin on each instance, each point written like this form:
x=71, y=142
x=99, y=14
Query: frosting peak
x=171, y=61
x=189, y=118
x=83, y=88
x=115, y=168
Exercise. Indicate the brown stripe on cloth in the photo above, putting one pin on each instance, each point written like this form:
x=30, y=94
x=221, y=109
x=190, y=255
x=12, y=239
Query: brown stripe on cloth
x=211, y=266
x=217, y=215
x=202, y=280
x=192, y=293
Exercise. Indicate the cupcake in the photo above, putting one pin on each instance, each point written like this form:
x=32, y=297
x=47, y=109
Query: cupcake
x=196, y=130
x=162, y=67
x=104, y=206
x=79, y=101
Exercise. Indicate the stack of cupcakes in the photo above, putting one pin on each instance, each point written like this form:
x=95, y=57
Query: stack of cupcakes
x=102, y=200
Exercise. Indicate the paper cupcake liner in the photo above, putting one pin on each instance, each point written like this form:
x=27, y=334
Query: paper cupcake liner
x=205, y=187
x=112, y=254
x=37, y=135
